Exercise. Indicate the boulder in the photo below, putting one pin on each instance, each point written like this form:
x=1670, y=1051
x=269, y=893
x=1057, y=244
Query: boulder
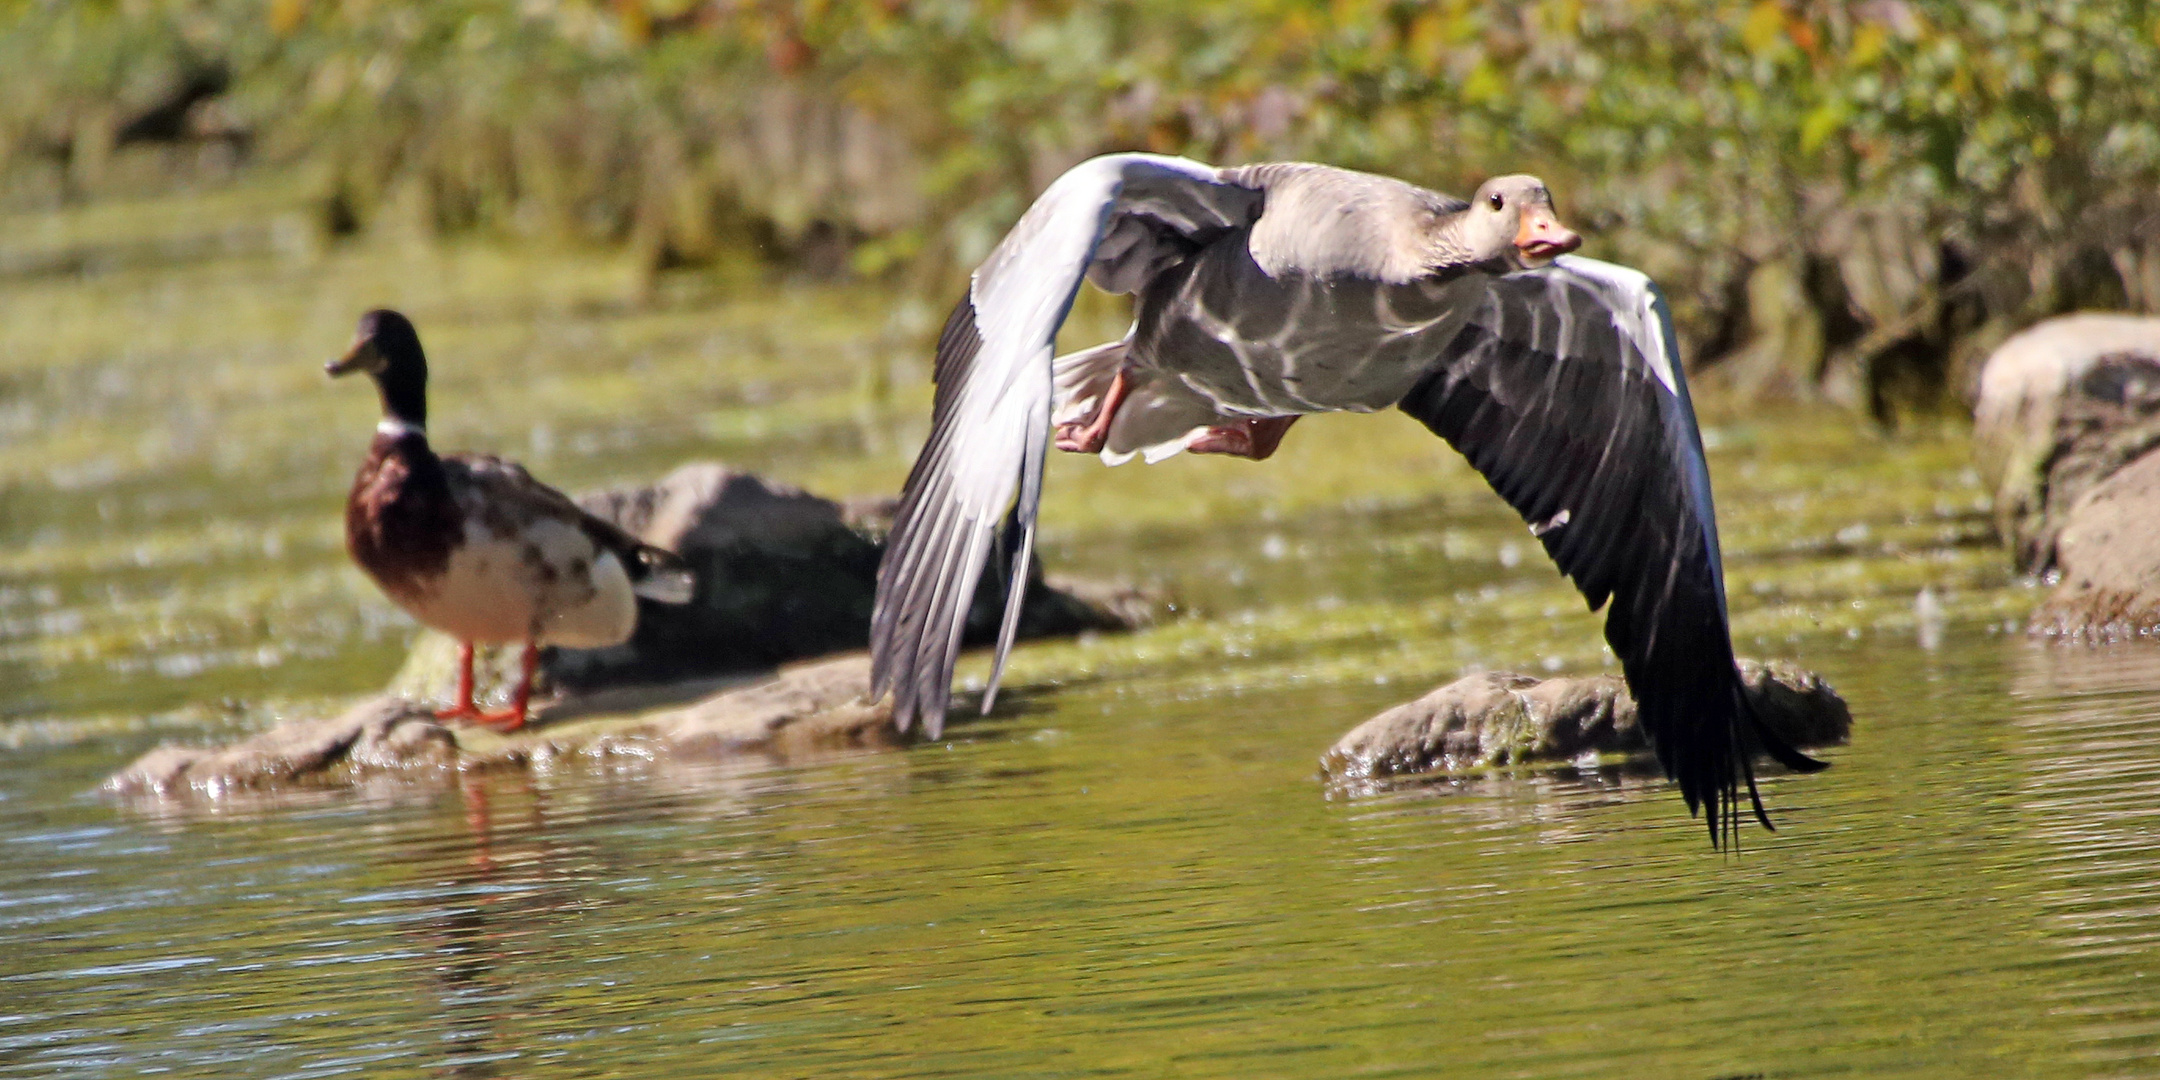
x=2063, y=406
x=785, y=715
x=382, y=732
x=1499, y=718
x=782, y=575
x=2107, y=560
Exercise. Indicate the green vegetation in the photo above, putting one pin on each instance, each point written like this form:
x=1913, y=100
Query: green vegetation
x=1850, y=199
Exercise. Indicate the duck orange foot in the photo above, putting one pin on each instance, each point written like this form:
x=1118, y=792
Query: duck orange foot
x=506, y=721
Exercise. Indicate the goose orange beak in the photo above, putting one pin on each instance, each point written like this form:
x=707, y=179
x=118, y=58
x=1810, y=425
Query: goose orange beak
x=1541, y=236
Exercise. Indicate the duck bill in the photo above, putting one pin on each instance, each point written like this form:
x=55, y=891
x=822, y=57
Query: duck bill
x=1540, y=237
x=361, y=357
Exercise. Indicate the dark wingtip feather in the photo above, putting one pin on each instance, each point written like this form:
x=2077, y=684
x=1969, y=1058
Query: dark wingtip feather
x=1785, y=755
x=1593, y=437
x=1771, y=743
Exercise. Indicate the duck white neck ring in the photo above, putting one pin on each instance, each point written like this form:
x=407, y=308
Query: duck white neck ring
x=398, y=429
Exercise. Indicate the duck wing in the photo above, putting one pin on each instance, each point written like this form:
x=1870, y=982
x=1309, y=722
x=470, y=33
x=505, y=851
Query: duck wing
x=1118, y=220
x=1564, y=389
x=506, y=496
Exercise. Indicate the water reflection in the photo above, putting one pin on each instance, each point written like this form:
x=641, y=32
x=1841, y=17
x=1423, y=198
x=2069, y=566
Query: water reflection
x=1105, y=886
x=1134, y=869
x=465, y=940
x=2089, y=736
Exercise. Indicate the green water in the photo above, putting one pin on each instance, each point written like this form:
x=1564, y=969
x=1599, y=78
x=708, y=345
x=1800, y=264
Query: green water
x=1132, y=870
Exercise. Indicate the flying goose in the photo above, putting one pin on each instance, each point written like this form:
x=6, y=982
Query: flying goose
x=475, y=547
x=1270, y=291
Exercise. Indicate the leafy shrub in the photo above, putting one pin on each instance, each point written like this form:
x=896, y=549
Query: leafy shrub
x=1851, y=198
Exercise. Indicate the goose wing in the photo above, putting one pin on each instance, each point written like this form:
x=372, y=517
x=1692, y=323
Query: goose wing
x=1118, y=220
x=1564, y=389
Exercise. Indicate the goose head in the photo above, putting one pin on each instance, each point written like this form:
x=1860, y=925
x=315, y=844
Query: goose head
x=387, y=348
x=1511, y=218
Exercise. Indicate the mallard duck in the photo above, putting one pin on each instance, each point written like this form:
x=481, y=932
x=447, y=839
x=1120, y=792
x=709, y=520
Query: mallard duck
x=1267, y=292
x=475, y=547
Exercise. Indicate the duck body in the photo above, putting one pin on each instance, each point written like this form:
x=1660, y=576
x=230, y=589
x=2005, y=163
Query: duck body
x=473, y=546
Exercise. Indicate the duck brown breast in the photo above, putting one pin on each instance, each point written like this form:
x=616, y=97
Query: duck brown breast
x=401, y=522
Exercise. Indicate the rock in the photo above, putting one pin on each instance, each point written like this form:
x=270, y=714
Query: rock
x=382, y=733
x=2062, y=407
x=1500, y=718
x=782, y=575
x=786, y=715
x=2107, y=556
x=821, y=704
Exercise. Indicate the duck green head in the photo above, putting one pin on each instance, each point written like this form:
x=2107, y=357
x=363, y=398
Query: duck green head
x=387, y=348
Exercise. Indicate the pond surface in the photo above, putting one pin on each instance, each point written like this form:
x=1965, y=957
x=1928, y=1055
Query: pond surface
x=1132, y=869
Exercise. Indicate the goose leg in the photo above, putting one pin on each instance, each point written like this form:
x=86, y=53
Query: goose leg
x=462, y=708
x=1087, y=437
x=513, y=718
x=1255, y=439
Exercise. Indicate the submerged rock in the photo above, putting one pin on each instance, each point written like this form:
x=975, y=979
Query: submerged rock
x=2063, y=406
x=1500, y=718
x=799, y=710
x=782, y=575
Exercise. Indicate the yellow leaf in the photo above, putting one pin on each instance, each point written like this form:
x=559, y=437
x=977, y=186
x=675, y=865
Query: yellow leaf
x=1764, y=28
x=1867, y=44
x=1820, y=124
x=285, y=16
x=1484, y=84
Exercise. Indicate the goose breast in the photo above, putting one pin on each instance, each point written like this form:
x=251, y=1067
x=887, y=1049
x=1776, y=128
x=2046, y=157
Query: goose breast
x=1253, y=342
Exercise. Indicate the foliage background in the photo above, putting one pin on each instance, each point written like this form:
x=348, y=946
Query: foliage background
x=1847, y=200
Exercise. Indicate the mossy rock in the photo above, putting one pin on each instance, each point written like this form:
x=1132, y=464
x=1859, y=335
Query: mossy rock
x=1498, y=718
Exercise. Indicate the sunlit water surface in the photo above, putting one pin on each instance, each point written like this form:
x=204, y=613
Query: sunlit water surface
x=1133, y=869
x=1092, y=887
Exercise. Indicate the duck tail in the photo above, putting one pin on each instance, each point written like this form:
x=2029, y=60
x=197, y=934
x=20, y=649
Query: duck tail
x=661, y=575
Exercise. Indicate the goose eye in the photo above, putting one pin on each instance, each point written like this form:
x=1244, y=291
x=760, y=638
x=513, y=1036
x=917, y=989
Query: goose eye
x=1495, y=200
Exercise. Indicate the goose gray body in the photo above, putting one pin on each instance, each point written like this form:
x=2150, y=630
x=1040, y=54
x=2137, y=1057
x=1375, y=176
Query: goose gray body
x=1279, y=290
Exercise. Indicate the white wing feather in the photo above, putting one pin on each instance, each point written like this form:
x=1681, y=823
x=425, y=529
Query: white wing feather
x=986, y=447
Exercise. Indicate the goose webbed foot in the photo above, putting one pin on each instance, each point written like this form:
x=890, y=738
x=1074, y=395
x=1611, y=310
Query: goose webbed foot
x=1088, y=436
x=1255, y=439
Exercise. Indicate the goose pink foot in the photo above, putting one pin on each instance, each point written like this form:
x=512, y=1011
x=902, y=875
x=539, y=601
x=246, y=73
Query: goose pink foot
x=1255, y=439
x=1088, y=436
